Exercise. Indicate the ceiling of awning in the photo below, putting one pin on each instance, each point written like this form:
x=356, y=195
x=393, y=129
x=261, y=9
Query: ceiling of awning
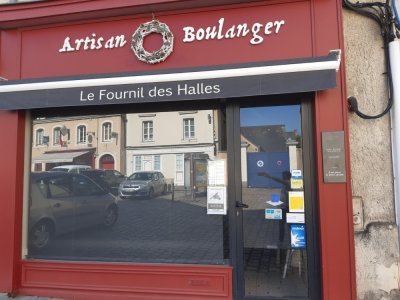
x=58, y=157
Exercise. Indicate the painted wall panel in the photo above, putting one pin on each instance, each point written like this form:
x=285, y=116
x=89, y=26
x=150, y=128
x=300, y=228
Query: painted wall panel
x=132, y=282
x=41, y=56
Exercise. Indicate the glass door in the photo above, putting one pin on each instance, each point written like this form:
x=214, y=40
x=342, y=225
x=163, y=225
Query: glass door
x=275, y=210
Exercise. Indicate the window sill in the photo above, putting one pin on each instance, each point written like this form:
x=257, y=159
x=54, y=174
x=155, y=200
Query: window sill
x=190, y=140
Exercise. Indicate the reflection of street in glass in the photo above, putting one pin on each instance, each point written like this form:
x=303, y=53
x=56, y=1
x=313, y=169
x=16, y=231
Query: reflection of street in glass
x=107, y=179
x=143, y=184
x=284, y=199
x=261, y=232
x=62, y=202
x=148, y=230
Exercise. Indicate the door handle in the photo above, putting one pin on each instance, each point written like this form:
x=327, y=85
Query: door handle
x=241, y=205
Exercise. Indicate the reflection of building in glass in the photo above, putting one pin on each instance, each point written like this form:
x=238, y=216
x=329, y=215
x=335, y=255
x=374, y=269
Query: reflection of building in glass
x=84, y=140
x=175, y=143
x=268, y=148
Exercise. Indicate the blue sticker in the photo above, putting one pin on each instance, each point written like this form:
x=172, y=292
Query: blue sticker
x=275, y=198
x=298, y=236
x=296, y=174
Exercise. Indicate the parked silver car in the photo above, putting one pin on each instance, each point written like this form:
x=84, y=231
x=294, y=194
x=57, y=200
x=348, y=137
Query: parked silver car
x=144, y=183
x=62, y=202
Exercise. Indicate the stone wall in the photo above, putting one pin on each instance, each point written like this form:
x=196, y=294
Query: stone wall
x=376, y=246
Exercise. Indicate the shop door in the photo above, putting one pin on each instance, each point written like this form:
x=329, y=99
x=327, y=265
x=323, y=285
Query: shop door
x=107, y=162
x=277, y=256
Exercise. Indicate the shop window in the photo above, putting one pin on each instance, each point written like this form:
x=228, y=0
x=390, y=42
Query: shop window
x=157, y=212
x=106, y=130
x=81, y=134
x=38, y=167
x=188, y=128
x=147, y=131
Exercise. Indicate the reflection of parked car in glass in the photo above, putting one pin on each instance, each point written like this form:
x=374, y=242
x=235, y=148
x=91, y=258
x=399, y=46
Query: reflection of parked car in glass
x=63, y=202
x=146, y=183
x=107, y=179
x=71, y=168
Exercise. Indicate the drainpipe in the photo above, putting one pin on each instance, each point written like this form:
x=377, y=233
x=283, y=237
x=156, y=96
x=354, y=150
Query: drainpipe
x=394, y=57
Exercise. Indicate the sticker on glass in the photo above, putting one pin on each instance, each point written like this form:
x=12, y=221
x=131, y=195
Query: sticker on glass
x=295, y=218
x=296, y=201
x=297, y=236
x=296, y=180
x=275, y=200
x=273, y=214
x=216, y=200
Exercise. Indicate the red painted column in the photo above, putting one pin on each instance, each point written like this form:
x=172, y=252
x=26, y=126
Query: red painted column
x=335, y=203
x=12, y=126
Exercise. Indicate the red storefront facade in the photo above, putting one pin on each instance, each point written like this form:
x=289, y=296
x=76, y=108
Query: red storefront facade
x=60, y=41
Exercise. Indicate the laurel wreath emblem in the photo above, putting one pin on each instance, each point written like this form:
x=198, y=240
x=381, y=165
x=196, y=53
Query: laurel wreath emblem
x=144, y=30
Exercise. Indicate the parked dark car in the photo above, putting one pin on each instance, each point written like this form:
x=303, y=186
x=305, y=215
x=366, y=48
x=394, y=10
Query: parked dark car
x=145, y=183
x=108, y=179
x=62, y=202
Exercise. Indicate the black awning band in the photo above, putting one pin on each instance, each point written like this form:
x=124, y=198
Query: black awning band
x=302, y=75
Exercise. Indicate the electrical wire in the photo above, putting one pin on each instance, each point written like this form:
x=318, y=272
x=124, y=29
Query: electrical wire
x=382, y=14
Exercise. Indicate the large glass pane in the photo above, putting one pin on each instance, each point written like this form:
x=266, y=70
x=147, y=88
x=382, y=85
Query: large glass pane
x=146, y=203
x=275, y=255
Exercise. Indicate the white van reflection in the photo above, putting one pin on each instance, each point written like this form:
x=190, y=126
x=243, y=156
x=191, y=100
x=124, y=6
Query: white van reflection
x=63, y=202
x=71, y=168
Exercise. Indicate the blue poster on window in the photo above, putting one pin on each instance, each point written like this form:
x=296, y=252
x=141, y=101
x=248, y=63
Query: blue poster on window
x=298, y=236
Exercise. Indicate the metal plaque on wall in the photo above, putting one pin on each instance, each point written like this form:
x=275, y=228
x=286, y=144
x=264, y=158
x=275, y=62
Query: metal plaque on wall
x=333, y=154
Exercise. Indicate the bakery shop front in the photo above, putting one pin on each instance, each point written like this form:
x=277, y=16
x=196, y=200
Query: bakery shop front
x=174, y=150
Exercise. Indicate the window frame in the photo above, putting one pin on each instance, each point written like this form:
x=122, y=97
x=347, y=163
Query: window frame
x=148, y=131
x=79, y=134
x=140, y=160
x=137, y=163
x=158, y=162
x=55, y=141
x=106, y=132
x=189, y=129
x=39, y=141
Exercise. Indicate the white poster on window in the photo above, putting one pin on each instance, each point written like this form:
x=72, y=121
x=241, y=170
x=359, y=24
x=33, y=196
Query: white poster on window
x=296, y=218
x=216, y=172
x=216, y=200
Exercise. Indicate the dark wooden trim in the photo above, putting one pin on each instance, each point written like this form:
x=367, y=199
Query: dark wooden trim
x=311, y=200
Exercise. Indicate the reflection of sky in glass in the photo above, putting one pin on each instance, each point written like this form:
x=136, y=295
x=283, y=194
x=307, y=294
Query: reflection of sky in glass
x=288, y=115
